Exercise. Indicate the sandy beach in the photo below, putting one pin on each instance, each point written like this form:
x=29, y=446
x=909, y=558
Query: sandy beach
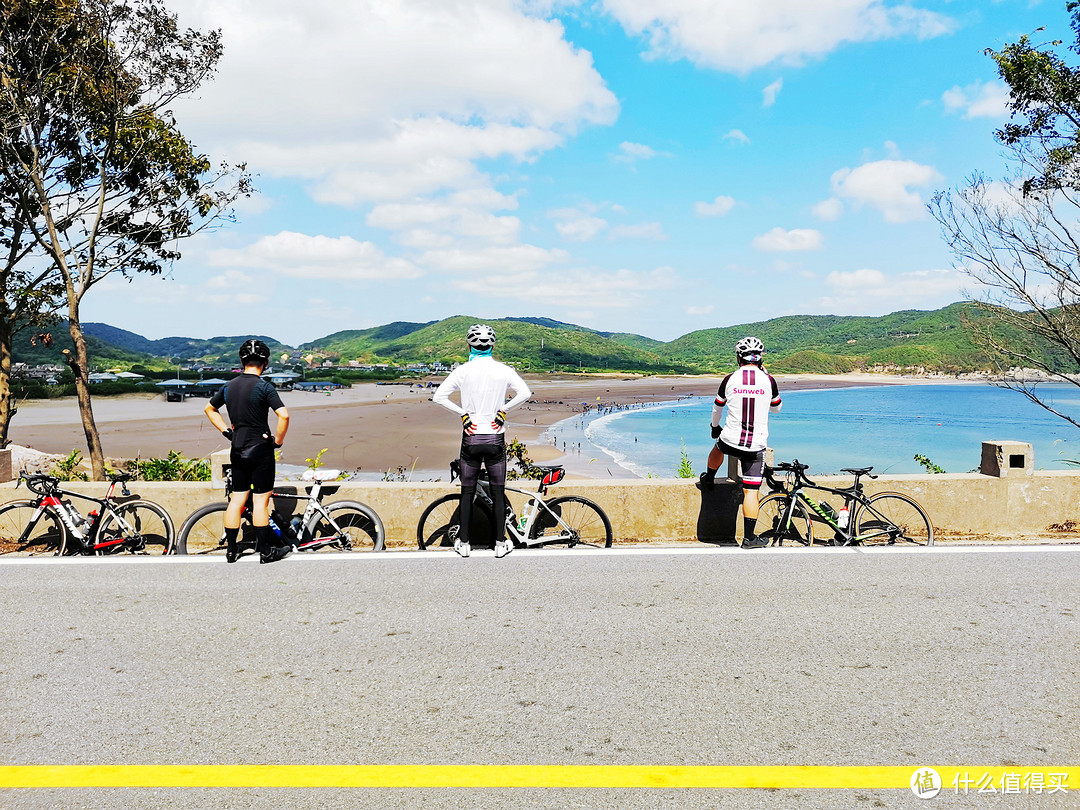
x=370, y=427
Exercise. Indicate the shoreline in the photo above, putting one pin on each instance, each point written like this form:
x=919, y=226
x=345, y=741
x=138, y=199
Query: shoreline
x=379, y=428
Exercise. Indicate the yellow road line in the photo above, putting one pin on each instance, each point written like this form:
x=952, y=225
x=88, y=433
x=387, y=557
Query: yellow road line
x=509, y=776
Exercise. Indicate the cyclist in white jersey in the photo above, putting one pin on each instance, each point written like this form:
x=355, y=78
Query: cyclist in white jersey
x=750, y=394
x=482, y=383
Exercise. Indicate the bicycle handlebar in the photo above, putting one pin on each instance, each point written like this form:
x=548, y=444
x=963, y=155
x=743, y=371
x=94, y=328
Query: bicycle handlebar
x=39, y=483
x=800, y=474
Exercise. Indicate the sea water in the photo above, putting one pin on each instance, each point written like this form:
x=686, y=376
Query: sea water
x=881, y=426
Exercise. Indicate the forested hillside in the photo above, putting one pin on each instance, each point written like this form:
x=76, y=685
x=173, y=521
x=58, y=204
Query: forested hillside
x=935, y=341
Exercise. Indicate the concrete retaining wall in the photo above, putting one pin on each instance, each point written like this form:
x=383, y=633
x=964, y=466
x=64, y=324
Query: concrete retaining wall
x=659, y=509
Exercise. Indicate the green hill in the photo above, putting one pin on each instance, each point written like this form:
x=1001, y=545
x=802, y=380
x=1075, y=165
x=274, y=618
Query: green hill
x=938, y=340
x=529, y=342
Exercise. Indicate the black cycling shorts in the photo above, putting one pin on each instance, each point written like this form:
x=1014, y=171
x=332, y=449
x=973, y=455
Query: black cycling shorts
x=253, y=468
x=486, y=449
x=751, y=463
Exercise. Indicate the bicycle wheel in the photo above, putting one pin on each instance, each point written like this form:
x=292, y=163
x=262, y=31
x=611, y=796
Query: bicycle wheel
x=441, y=521
x=582, y=521
x=353, y=526
x=204, y=532
x=800, y=529
x=890, y=518
x=138, y=527
x=45, y=537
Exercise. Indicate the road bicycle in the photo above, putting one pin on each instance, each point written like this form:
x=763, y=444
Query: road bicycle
x=336, y=526
x=569, y=519
x=787, y=516
x=51, y=524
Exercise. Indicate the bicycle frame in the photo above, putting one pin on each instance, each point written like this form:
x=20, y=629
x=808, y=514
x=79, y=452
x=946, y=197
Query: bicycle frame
x=854, y=500
x=54, y=500
x=534, y=504
x=314, y=506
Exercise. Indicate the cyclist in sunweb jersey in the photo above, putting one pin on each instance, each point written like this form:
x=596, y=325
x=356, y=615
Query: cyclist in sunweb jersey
x=248, y=400
x=482, y=383
x=750, y=395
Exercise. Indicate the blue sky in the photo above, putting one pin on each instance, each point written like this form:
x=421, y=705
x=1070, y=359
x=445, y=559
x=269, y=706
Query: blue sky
x=648, y=166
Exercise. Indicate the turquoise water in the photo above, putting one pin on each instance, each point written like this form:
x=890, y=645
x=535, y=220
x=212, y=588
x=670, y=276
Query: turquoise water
x=882, y=426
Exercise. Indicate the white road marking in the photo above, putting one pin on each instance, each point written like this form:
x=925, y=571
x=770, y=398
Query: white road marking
x=624, y=551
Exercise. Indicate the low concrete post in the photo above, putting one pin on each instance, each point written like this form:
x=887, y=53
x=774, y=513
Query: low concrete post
x=6, y=473
x=219, y=463
x=1007, y=459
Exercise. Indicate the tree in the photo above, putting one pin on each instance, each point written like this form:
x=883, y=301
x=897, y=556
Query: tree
x=1019, y=237
x=93, y=165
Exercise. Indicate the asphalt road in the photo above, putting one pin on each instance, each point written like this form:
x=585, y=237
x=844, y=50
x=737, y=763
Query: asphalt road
x=714, y=657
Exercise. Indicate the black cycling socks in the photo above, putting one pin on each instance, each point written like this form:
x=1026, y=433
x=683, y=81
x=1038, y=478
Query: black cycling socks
x=230, y=539
x=749, y=525
x=264, y=539
x=465, y=516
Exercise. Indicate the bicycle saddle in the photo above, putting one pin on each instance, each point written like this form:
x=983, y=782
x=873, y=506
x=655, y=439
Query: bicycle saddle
x=857, y=470
x=320, y=475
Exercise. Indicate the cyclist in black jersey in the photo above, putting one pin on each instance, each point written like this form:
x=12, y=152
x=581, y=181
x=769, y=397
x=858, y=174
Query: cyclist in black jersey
x=249, y=399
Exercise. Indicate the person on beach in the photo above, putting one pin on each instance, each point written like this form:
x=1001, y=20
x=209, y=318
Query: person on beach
x=249, y=399
x=750, y=394
x=482, y=383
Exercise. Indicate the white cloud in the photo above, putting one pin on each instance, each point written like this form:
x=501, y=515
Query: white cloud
x=578, y=224
x=738, y=136
x=580, y=229
x=828, y=210
x=500, y=260
x=582, y=288
x=642, y=230
x=886, y=185
x=740, y=37
x=633, y=150
x=856, y=280
x=719, y=207
x=433, y=223
x=778, y=240
x=769, y=94
x=630, y=152
x=314, y=257
x=372, y=100
x=702, y=310
x=978, y=100
x=230, y=279
x=857, y=290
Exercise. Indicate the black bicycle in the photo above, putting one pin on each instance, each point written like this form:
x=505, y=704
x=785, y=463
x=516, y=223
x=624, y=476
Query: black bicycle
x=569, y=519
x=51, y=524
x=787, y=516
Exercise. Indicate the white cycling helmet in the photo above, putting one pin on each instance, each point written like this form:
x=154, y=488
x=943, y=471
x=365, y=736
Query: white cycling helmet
x=480, y=336
x=750, y=348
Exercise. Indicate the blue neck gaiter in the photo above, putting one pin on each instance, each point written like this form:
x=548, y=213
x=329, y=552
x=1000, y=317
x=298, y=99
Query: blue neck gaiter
x=474, y=353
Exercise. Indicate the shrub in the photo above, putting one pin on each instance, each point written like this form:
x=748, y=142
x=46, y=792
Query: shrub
x=174, y=467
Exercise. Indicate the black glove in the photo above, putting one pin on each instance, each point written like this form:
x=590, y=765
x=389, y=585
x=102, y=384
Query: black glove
x=500, y=420
x=227, y=433
x=467, y=424
x=715, y=431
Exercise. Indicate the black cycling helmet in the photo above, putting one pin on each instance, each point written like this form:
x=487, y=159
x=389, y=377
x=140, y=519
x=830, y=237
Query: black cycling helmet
x=254, y=352
x=480, y=336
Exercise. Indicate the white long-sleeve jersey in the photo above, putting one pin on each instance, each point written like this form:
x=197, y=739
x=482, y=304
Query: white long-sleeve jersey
x=482, y=383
